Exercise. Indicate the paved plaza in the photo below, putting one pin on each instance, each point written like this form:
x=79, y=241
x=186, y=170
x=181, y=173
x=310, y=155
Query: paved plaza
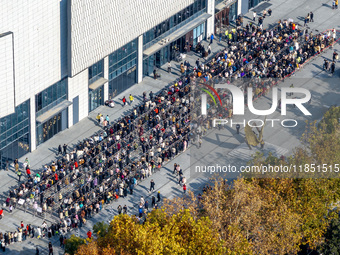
x=222, y=146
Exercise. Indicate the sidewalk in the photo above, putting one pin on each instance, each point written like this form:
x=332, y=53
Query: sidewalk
x=164, y=179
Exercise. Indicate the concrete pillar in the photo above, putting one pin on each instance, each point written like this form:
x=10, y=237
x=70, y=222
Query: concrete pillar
x=243, y=6
x=33, y=129
x=106, y=76
x=211, y=20
x=70, y=108
x=140, y=59
x=239, y=7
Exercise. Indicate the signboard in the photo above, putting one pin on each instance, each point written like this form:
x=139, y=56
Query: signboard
x=21, y=201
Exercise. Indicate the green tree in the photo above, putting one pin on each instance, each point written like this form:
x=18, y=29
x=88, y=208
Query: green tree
x=100, y=228
x=332, y=239
x=73, y=243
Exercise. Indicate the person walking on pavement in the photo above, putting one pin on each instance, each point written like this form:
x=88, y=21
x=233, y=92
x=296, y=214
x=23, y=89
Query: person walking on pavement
x=169, y=67
x=124, y=101
x=254, y=16
x=211, y=38
x=238, y=128
x=50, y=249
x=332, y=67
x=175, y=166
x=125, y=209
x=131, y=99
x=311, y=15
x=152, y=185
x=146, y=205
x=335, y=56
x=7, y=165
x=89, y=234
x=158, y=196
x=325, y=65
x=37, y=252
x=19, y=175
x=153, y=201
x=119, y=208
x=65, y=148
x=61, y=240
x=184, y=188
x=60, y=150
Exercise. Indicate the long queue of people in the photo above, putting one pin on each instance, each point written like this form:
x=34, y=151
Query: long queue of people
x=111, y=163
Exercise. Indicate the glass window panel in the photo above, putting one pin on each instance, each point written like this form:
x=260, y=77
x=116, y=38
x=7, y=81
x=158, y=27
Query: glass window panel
x=14, y=119
x=123, y=68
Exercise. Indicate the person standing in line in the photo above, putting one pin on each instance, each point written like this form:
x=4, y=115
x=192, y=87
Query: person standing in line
x=152, y=185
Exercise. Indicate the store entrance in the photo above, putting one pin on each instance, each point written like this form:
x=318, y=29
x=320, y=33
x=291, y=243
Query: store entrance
x=177, y=47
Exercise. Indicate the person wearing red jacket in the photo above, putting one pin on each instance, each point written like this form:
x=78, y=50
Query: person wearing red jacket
x=89, y=234
x=184, y=188
x=28, y=172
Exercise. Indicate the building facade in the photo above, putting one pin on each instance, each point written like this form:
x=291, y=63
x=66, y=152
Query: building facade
x=61, y=59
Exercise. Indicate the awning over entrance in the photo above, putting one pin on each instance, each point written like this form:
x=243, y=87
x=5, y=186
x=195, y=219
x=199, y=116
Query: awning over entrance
x=177, y=34
x=224, y=4
x=97, y=83
x=54, y=111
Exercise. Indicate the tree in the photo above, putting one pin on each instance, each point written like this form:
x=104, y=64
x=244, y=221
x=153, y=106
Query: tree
x=332, y=239
x=331, y=119
x=73, y=243
x=162, y=233
x=100, y=228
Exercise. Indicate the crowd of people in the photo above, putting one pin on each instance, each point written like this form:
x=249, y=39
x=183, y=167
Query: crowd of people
x=109, y=165
x=23, y=233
